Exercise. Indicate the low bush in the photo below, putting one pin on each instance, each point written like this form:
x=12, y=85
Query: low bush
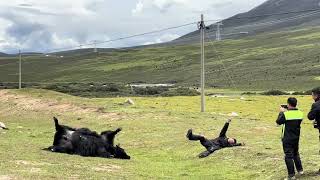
x=249, y=93
x=274, y=93
x=150, y=91
x=181, y=92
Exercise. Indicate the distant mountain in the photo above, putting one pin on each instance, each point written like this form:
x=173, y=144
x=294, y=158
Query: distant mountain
x=3, y=54
x=74, y=52
x=273, y=15
x=83, y=51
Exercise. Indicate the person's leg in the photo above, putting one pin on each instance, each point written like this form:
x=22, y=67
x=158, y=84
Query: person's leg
x=288, y=150
x=209, y=151
x=319, y=149
x=193, y=137
x=204, y=141
x=296, y=158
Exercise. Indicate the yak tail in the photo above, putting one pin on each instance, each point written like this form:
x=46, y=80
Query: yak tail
x=118, y=130
x=56, y=123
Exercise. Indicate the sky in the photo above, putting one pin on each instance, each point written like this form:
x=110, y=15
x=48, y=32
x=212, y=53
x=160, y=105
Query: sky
x=47, y=25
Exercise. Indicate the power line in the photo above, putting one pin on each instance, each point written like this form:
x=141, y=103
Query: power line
x=128, y=37
x=256, y=24
x=279, y=20
x=266, y=15
x=223, y=66
x=176, y=27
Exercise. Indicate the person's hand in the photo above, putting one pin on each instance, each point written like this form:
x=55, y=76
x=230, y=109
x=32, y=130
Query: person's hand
x=315, y=123
x=282, y=109
x=229, y=121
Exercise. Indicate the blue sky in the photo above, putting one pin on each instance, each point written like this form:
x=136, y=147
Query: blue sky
x=43, y=25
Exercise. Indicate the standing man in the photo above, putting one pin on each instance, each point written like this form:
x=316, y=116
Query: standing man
x=290, y=117
x=314, y=114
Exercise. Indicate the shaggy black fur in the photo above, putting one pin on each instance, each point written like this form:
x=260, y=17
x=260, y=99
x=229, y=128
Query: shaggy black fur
x=85, y=142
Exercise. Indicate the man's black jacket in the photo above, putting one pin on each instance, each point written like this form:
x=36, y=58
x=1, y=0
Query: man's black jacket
x=314, y=114
x=222, y=140
x=291, y=130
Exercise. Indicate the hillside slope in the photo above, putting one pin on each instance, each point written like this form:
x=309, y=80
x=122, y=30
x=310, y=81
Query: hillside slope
x=3, y=54
x=273, y=15
x=283, y=60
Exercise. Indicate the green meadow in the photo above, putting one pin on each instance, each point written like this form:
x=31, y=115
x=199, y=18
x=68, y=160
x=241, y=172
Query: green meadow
x=153, y=134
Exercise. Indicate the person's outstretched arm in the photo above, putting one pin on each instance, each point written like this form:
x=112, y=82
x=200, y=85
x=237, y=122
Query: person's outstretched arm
x=239, y=144
x=225, y=129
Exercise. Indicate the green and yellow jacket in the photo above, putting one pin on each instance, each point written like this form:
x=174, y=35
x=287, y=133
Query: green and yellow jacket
x=291, y=121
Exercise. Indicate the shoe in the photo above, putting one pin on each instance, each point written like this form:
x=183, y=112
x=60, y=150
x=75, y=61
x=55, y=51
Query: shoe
x=300, y=173
x=189, y=133
x=290, y=178
x=204, y=154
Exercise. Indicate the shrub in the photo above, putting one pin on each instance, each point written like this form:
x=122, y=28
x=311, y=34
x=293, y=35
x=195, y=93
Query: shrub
x=249, y=93
x=150, y=90
x=274, y=93
x=181, y=92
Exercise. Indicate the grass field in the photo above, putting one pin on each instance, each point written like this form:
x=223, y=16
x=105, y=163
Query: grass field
x=287, y=60
x=153, y=134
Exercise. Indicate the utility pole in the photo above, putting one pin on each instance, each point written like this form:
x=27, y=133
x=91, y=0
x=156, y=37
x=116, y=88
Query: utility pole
x=202, y=31
x=20, y=68
x=95, y=47
x=218, y=33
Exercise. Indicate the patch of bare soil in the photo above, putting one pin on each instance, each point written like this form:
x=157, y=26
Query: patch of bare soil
x=36, y=104
x=6, y=177
x=107, y=168
x=22, y=162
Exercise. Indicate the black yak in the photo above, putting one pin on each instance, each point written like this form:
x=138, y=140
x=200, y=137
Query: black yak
x=85, y=142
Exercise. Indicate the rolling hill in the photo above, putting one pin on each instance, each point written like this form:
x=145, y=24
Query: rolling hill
x=271, y=16
x=286, y=60
x=279, y=52
x=3, y=54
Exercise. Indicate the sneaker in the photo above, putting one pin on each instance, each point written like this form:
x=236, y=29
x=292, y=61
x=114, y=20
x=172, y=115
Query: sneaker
x=300, y=172
x=189, y=133
x=204, y=154
x=290, y=178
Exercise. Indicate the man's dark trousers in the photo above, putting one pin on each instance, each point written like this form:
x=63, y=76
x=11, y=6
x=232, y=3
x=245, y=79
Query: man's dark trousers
x=292, y=157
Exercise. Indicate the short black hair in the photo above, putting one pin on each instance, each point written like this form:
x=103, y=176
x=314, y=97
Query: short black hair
x=292, y=101
x=316, y=91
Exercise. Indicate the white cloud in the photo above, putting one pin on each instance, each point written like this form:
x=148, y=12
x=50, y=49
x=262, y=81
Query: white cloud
x=162, y=39
x=138, y=8
x=49, y=24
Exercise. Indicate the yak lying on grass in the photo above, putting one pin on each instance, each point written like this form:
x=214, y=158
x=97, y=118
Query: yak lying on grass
x=85, y=142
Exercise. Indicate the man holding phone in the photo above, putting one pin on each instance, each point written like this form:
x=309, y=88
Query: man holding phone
x=290, y=117
x=314, y=114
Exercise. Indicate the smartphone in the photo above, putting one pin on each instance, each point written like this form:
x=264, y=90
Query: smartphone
x=284, y=106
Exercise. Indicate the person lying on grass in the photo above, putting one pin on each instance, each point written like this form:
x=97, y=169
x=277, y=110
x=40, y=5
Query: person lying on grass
x=214, y=144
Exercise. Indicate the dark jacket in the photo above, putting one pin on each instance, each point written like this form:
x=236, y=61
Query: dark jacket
x=291, y=128
x=222, y=140
x=314, y=114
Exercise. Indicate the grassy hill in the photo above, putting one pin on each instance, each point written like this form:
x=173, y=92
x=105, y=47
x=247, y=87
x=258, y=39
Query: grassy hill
x=288, y=60
x=153, y=134
x=269, y=16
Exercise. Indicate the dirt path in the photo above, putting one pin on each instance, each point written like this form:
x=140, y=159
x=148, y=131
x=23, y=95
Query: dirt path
x=48, y=105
